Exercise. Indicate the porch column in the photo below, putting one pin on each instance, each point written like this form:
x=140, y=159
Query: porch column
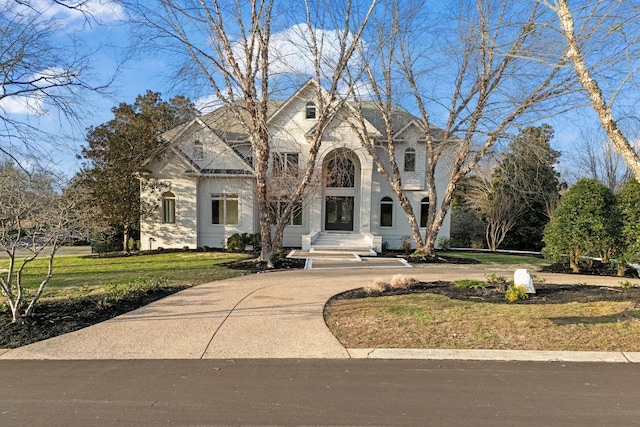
x=366, y=176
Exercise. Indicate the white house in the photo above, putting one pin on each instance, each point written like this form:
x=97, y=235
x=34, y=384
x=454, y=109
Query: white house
x=209, y=180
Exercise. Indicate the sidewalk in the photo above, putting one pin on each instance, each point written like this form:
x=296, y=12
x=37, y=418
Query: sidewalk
x=269, y=315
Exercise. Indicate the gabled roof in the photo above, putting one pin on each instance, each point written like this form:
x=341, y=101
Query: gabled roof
x=227, y=125
x=401, y=120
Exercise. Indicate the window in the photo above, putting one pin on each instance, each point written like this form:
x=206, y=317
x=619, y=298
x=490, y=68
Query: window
x=386, y=212
x=341, y=173
x=310, y=110
x=277, y=209
x=285, y=164
x=168, y=208
x=424, y=211
x=224, y=209
x=409, y=160
x=198, y=152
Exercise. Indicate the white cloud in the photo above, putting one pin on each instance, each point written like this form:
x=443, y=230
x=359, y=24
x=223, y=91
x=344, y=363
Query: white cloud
x=31, y=105
x=291, y=51
x=207, y=104
x=102, y=11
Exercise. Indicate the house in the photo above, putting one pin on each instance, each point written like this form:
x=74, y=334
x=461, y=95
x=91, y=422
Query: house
x=209, y=180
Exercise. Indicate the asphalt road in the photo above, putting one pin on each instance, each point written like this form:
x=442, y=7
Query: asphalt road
x=317, y=392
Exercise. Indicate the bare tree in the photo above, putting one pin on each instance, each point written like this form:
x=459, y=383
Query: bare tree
x=35, y=220
x=38, y=75
x=500, y=207
x=614, y=29
x=479, y=80
x=597, y=158
x=228, y=44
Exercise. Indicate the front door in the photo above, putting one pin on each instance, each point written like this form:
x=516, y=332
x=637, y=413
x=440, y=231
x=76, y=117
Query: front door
x=339, y=213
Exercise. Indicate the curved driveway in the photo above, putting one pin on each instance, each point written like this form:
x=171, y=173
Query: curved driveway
x=269, y=315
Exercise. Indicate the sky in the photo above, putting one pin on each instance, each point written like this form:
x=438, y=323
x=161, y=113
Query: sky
x=103, y=30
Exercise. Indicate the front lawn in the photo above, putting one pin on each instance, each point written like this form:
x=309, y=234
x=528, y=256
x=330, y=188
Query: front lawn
x=501, y=258
x=184, y=268
x=87, y=290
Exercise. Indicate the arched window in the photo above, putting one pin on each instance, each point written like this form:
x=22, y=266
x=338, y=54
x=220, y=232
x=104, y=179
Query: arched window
x=424, y=211
x=198, y=152
x=410, y=160
x=341, y=173
x=168, y=208
x=386, y=212
x=310, y=110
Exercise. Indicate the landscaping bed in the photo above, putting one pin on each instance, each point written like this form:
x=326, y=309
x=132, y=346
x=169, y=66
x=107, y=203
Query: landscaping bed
x=59, y=316
x=442, y=316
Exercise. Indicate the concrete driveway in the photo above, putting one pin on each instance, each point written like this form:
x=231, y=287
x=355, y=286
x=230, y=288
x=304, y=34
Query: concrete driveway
x=268, y=315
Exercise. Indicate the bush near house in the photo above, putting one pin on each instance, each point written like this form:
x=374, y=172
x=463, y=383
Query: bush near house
x=586, y=223
x=240, y=242
x=629, y=203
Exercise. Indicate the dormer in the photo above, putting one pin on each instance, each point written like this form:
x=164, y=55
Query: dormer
x=310, y=111
x=198, y=150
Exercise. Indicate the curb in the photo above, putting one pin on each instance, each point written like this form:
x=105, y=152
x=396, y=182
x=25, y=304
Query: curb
x=497, y=355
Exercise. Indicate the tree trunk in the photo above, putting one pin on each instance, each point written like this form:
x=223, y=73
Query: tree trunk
x=405, y=204
x=261, y=149
x=125, y=240
x=438, y=215
x=593, y=89
x=574, y=259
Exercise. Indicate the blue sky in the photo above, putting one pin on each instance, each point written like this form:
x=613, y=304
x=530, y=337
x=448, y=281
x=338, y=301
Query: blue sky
x=105, y=32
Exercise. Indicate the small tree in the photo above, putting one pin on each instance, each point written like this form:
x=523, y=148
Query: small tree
x=586, y=222
x=629, y=202
x=499, y=206
x=500, y=210
x=35, y=220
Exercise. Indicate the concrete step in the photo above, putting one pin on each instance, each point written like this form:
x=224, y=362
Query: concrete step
x=338, y=243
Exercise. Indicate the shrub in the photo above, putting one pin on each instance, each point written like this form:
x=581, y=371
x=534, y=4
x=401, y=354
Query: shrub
x=400, y=281
x=587, y=222
x=516, y=293
x=406, y=244
x=236, y=242
x=628, y=284
x=477, y=244
x=470, y=283
x=500, y=282
x=444, y=243
x=377, y=286
x=255, y=241
x=239, y=242
x=629, y=203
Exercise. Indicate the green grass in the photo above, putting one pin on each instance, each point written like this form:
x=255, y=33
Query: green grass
x=497, y=258
x=178, y=268
x=436, y=321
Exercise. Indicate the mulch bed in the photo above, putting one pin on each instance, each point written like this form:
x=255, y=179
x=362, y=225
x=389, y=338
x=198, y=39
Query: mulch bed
x=56, y=317
x=545, y=293
x=252, y=266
